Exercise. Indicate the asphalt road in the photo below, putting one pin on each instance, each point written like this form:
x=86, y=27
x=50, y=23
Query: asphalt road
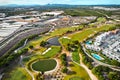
x=21, y=36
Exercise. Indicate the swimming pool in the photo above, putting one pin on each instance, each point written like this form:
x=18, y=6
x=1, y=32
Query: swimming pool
x=97, y=56
x=88, y=42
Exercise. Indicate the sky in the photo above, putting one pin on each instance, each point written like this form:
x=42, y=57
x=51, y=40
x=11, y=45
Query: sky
x=73, y=2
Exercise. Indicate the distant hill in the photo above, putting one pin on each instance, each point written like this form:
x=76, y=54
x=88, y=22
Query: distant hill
x=53, y=6
x=62, y=5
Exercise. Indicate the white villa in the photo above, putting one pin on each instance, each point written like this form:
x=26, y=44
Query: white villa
x=109, y=43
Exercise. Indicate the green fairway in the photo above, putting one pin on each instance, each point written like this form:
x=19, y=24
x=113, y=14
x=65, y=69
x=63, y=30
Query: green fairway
x=77, y=71
x=65, y=41
x=52, y=52
x=44, y=65
x=62, y=31
x=76, y=57
x=84, y=34
x=101, y=19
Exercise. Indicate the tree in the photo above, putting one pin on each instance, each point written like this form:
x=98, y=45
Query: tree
x=112, y=75
x=63, y=56
x=31, y=47
x=115, y=62
x=89, y=65
x=43, y=43
x=63, y=59
x=76, y=42
x=65, y=70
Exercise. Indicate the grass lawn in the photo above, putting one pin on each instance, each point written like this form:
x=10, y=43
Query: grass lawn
x=65, y=41
x=85, y=33
x=76, y=78
x=44, y=65
x=18, y=74
x=51, y=53
x=62, y=31
x=39, y=50
x=101, y=19
x=76, y=57
x=79, y=72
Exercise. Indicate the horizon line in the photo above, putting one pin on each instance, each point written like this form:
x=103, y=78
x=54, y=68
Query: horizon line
x=56, y=4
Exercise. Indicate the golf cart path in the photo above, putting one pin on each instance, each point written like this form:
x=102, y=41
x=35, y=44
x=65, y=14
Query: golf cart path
x=21, y=58
x=92, y=76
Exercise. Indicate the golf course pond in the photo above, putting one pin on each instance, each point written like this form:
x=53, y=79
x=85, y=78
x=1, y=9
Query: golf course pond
x=54, y=41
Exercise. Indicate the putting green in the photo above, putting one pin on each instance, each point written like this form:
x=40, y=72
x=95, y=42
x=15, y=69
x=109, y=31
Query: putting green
x=44, y=65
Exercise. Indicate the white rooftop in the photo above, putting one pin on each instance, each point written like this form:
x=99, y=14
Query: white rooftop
x=52, y=13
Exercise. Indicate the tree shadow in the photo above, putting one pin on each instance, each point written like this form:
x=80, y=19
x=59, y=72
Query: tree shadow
x=71, y=72
x=71, y=65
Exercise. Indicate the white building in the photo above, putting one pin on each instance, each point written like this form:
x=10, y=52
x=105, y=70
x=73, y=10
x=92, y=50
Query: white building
x=55, y=13
x=109, y=43
x=2, y=15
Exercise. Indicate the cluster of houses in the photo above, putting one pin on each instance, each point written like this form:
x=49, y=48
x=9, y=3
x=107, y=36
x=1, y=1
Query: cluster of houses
x=108, y=43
